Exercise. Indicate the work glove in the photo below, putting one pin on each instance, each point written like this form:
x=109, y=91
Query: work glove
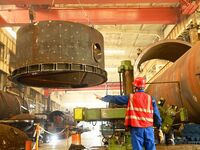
x=161, y=136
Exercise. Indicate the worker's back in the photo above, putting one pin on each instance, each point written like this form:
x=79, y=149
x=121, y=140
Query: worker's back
x=139, y=110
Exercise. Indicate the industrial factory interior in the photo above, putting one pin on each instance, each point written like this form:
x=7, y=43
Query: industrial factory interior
x=65, y=63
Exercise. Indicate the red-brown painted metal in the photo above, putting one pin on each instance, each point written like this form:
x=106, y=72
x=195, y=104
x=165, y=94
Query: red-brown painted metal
x=106, y=16
x=188, y=7
x=3, y=22
x=105, y=86
x=169, y=50
x=180, y=84
x=51, y=2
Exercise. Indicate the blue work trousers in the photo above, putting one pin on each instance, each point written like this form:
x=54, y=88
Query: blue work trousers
x=142, y=137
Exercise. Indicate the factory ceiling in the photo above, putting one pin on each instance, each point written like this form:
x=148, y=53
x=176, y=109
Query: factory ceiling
x=128, y=26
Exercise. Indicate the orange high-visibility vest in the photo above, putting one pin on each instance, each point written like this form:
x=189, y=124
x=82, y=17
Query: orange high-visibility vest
x=139, y=110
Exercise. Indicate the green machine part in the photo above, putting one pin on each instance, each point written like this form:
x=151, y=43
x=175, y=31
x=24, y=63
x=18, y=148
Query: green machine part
x=92, y=114
x=113, y=113
x=105, y=114
x=168, y=115
x=183, y=114
x=99, y=114
x=128, y=141
x=114, y=144
x=126, y=70
x=167, y=123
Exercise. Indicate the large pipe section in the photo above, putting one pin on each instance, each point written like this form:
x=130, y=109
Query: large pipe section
x=11, y=105
x=59, y=54
x=180, y=84
x=59, y=120
x=170, y=50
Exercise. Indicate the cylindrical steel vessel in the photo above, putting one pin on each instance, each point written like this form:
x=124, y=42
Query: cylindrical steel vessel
x=180, y=84
x=10, y=105
x=57, y=121
x=59, y=54
x=11, y=138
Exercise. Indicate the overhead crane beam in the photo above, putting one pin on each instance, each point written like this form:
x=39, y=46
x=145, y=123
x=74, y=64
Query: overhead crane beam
x=2, y=21
x=105, y=86
x=95, y=16
x=52, y=2
x=188, y=7
x=115, y=30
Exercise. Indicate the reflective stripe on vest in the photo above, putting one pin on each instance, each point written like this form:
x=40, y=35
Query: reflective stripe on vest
x=139, y=114
x=140, y=118
x=140, y=109
x=148, y=110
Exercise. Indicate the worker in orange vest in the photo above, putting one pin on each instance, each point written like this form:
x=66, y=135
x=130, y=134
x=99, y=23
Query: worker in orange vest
x=142, y=113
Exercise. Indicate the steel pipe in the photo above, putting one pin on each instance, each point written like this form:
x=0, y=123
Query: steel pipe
x=180, y=84
x=10, y=105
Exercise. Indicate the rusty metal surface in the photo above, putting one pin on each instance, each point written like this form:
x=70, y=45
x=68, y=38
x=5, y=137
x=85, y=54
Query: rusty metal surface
x=169, y=50
x=24, y=122
x=23, y=117
x=127, y=82
x=10, y=105
x=11, y=138
x=182, y=87
x=59, y=54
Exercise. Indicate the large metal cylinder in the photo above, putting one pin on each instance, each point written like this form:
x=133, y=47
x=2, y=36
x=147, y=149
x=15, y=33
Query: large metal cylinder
x=12, y=138
x=10, y=105
x=59, y=54
x=58, y=121
x=180, y=84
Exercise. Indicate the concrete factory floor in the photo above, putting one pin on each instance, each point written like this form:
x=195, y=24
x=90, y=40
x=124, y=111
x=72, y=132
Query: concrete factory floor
x=59, y=145
x=93, y=138
x=62, y=145
x=90, y=139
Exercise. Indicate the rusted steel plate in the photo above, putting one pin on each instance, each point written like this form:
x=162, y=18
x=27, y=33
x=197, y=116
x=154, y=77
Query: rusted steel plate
x=182, y=83
x=170, y=50
x=59, y=54
x=11, y=138
x=10, y=105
